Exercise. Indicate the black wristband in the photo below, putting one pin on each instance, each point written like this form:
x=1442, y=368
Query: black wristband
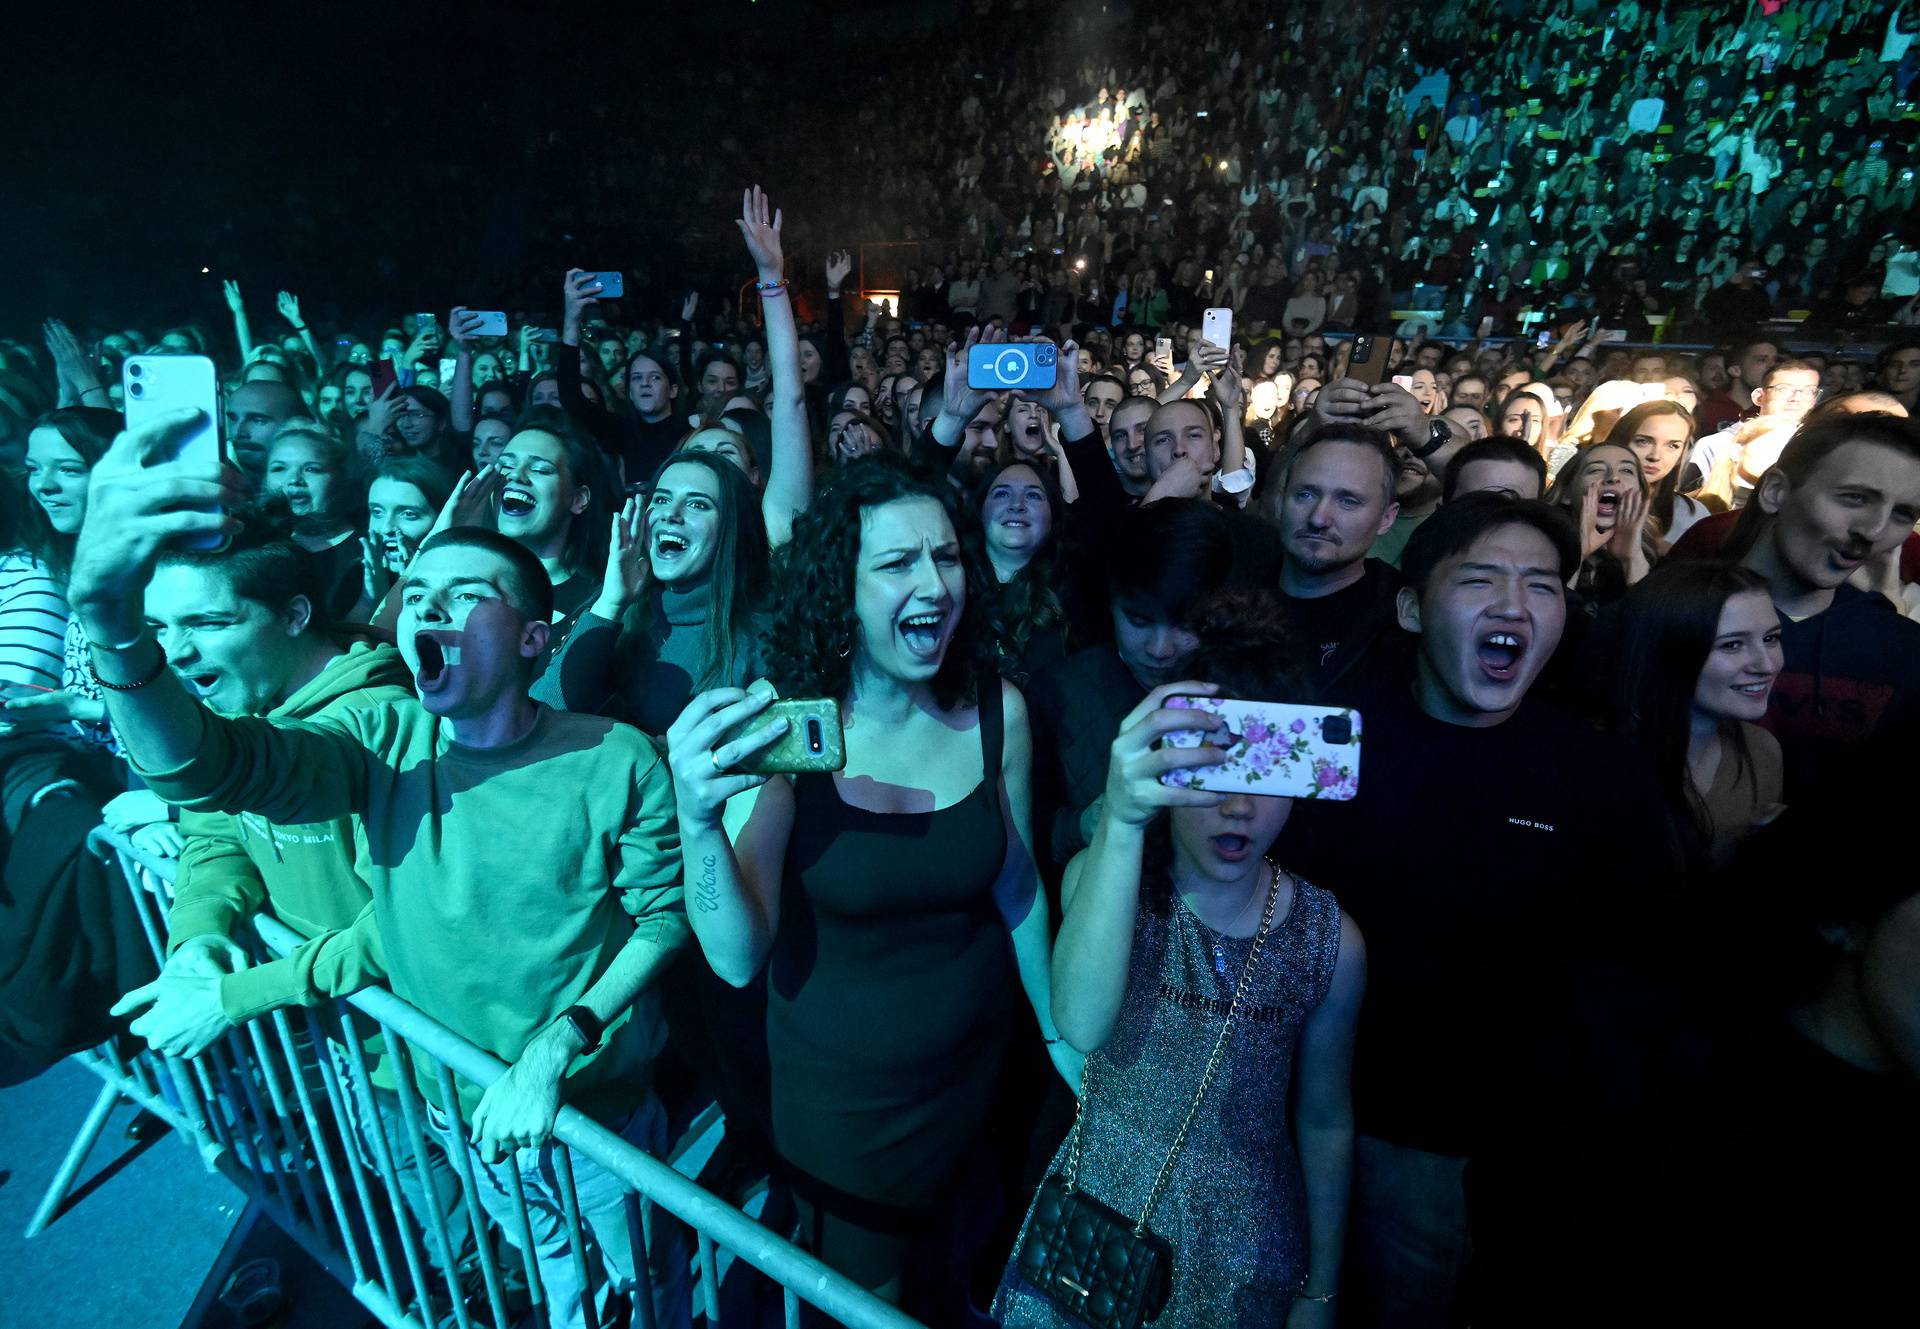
x=159, y=668
x=586, y=1024
x=1439, y=434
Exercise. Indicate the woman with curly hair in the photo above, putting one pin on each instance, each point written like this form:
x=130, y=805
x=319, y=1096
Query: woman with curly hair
x=892, y=903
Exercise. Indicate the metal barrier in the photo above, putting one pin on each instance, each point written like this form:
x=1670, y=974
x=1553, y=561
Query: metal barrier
x=286, y=1107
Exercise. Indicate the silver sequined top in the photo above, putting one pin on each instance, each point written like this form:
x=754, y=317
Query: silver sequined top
x=1235, y=1207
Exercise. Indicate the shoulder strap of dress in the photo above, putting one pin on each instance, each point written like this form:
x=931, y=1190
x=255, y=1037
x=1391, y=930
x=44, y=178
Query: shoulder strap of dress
x=993, y=728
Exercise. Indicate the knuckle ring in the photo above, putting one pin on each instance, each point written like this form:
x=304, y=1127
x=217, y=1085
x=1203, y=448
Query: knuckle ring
x=714, y=757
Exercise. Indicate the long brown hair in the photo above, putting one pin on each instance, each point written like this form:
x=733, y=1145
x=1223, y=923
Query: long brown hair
x=1621, y=435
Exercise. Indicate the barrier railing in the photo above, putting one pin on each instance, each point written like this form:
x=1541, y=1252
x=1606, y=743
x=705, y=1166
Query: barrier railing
x=379, y=1186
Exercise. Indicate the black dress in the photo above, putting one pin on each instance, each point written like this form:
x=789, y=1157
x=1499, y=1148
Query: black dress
x=888, y=993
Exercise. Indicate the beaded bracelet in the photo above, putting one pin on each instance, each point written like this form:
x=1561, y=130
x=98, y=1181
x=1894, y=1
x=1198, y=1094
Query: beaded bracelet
x=771, y=287
x=159, y=668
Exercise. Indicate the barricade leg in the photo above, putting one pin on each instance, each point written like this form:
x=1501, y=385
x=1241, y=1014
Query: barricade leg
x=76, y=1159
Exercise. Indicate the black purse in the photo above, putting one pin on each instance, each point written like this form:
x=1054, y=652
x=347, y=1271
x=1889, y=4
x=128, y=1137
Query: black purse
x=1099, y=1267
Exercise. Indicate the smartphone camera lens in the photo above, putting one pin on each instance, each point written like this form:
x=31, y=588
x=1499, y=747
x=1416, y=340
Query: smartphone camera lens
x=135, y=370
x=135, y=389
x=814, y=741
x=1337, y=729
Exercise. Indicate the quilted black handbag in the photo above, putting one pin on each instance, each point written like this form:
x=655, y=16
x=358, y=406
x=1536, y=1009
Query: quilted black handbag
x=1101, y=1268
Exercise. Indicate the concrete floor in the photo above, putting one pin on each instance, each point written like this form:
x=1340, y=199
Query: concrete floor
x=137, y=1239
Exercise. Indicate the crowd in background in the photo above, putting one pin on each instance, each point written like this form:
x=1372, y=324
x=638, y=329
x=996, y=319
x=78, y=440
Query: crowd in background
x=1603, y=977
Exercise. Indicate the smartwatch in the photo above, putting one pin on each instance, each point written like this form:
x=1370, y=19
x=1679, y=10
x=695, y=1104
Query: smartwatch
x=1441, y=435
x=585, y=1023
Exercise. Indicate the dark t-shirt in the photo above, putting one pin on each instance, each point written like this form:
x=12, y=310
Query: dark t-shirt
x=1340, y=641
x=1849, y=691
x=1472, y=862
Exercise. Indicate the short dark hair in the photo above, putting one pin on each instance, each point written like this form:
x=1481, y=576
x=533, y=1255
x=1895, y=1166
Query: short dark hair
x=1104, y=377
x=1378, y=441
x=1168, y=555
x=532, y=590
x=1455, y=527
x=1886, y=355
x=265, y=567
x=1495, y=447
x=714, y=357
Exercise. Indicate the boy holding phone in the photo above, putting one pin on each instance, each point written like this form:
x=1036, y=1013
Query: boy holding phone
x=584, y=1024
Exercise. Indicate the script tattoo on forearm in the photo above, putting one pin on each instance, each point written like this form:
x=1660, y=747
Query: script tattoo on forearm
x=706, y=892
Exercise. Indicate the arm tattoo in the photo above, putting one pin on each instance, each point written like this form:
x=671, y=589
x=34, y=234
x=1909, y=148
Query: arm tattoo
x=706, y=892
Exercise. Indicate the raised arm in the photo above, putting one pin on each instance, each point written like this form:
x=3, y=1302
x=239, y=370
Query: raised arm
x=289, y=305
x=789, y=485
x=461, y=326
x=77, y=370
x=191, y=756
x=733, y=829
x=242, y=333
x=1100, y=896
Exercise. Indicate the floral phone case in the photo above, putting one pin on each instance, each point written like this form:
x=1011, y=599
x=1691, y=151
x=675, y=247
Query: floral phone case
x=1275, y=748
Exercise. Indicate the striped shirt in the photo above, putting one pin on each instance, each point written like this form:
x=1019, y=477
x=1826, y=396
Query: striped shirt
x=33, y=620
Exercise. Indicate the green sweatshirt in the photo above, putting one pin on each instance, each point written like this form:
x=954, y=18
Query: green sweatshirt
x=504, y=880
x=233, y=866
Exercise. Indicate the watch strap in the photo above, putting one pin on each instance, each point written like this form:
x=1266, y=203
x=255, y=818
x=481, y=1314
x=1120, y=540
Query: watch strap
x=585, y=1023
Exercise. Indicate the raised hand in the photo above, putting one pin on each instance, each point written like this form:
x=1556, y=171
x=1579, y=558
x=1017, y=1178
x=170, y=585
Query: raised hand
x=762, y=234
x=289, y=306
x=627, y=566
x=1064, y=395
x=471, y=502
x=577, y=291
x=839, y=265
x=463, y=325
x=381, y=411
x=701, y=752
x=958, y=400
x=376, y=576
x=1135, y=793
x=138, y=502
x=1628, y=524
x=1592, y=538
x=231, y=289
x=71, y=362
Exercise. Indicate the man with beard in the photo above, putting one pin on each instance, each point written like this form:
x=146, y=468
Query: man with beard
x=1336, y=502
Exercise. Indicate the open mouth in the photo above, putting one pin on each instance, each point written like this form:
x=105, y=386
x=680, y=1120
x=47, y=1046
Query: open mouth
x=202, y=684
x=434, y=666
x=515, y=502
x=1760, y=689
x=669, y=546
x=1500, y=654
x=922, y=632
x=1232, y=848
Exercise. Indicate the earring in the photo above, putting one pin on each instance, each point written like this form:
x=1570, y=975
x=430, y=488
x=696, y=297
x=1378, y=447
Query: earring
x=846, y=646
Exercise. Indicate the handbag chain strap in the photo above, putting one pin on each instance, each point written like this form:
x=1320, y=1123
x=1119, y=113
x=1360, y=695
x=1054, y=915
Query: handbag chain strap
x=1072, y=1180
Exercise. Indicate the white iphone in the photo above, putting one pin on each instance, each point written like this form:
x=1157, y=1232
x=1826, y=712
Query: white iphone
x=1216, y=326
x=154, y=385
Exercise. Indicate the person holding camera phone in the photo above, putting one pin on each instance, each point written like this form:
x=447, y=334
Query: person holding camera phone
x=1177, y=918
x=475, y=614
x=893, y=904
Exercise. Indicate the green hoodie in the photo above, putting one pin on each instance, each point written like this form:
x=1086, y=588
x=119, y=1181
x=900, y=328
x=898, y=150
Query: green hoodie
x=236, y=864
